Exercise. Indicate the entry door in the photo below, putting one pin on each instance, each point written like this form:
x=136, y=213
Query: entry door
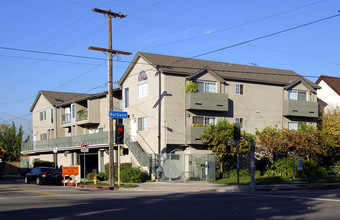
x=133, y=129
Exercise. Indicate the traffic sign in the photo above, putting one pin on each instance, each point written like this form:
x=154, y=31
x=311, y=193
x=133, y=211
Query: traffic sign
x=84, y=147
x=115, y=114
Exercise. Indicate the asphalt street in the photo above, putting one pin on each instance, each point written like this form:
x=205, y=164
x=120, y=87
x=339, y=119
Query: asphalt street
x=29, y=201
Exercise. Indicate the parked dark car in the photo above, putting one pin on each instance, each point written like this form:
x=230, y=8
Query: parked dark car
x=44, y=175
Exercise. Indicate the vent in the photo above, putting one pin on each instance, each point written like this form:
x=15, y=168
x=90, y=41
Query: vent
x=220, y=105
x=59, y=100
x=294, y=110
x=198, y=103
x=311, y=112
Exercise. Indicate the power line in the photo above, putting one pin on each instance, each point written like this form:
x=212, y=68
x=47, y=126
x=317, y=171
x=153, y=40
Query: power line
x=220, y=30
x=80, y=95
x=258, y=38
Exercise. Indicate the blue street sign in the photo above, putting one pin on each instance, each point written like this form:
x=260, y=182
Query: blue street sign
x=114, y=114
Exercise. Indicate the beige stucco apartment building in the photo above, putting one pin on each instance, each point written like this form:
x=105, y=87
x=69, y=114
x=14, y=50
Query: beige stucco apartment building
x=163, y=117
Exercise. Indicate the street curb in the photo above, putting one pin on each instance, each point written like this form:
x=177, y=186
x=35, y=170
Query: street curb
x=299, y=188
x=94, y=187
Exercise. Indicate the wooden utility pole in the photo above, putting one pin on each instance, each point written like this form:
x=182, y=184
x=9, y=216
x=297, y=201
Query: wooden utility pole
x=110, y=85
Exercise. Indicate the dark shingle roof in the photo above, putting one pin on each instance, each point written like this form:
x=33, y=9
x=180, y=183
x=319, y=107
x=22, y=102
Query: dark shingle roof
x=333, y=82
x=57, y=98
x=228, y=71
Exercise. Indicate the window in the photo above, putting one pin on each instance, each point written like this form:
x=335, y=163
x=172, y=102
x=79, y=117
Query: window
x=297, y=95
x=142, y=90
x=203, y=120
x=295, y=125
x=209, y=87
x=52, y=115
x=142, y=76
x=142, y=124
x=239, y=89
x=239, y=121
x=43, y=116
x=126, y=94
x=43, y=136
x=73, y=111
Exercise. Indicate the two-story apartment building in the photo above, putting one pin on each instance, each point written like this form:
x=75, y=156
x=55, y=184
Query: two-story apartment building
x=162, y=116
x=253, y=96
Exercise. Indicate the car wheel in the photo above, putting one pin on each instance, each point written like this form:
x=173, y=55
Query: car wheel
x=38, y=181
x=26, y=180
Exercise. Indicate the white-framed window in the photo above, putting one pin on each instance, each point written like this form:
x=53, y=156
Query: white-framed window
x=142, y=124
x=43, y=136
x=42, y=115
x=239, y=89
x=294, y=125
x=203, y=120
x=205, y=86
x=51, y=115
x=142, y=90
x=297, y=95
x=126, y=94
x=239, y=121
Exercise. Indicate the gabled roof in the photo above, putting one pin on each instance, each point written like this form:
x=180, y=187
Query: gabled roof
x=333, y=82
x=56, y=98
x=302, y=81
x=206, y=70
x=227, y=71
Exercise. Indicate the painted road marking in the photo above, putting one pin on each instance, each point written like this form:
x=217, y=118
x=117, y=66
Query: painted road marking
x=290, y=197
x=28, y=190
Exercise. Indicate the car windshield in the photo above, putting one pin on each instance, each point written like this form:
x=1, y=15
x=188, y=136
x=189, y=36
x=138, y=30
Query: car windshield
x=48, y=170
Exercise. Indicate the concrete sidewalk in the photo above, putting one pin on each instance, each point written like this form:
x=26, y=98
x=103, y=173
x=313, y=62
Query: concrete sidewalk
x=208, y=187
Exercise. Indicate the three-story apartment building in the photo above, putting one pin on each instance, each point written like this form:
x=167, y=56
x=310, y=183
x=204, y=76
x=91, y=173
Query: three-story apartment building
x=252, y=96
x=162, y=116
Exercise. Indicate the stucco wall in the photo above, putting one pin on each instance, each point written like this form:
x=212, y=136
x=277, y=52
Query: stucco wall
x=328, y=95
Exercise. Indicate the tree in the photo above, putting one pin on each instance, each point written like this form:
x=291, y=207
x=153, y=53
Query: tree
x=269, y=141
x=329, y=126
x=220, y=136
x=303, y=142
x=11, y=141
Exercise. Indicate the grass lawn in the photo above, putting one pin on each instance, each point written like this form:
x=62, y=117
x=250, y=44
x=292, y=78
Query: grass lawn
x=278, y=180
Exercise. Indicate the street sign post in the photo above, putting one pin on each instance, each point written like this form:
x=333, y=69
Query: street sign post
x=84, y=147
x=116, y=114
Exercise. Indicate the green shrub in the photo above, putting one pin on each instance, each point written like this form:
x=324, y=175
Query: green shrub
x=133, y=175
x=283, y=166
x=102, y=176
x=263, y=164
x=219, y=175
x=122, y=167
x=42, y=163
x=334, y=171
x=309, y=169
x=257, y=173
x=244, y=173
x=90, y=176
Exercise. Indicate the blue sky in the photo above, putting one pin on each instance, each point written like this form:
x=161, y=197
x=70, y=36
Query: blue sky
x=171, y=27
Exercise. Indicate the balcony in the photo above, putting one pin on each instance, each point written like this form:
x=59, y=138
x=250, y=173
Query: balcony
x=87, y=117
x=65, y=119
x=300, y=108
x=192, y=135
x=65, y=143
x=206, y=101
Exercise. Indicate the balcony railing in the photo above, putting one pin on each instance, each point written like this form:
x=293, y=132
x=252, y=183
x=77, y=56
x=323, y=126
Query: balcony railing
x=193, y=134
x=66, y=118
x=300, y=108
x=66, y=142
x=207, y=101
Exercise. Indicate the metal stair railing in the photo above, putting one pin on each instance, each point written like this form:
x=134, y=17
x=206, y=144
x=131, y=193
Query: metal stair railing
x=141, y=156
